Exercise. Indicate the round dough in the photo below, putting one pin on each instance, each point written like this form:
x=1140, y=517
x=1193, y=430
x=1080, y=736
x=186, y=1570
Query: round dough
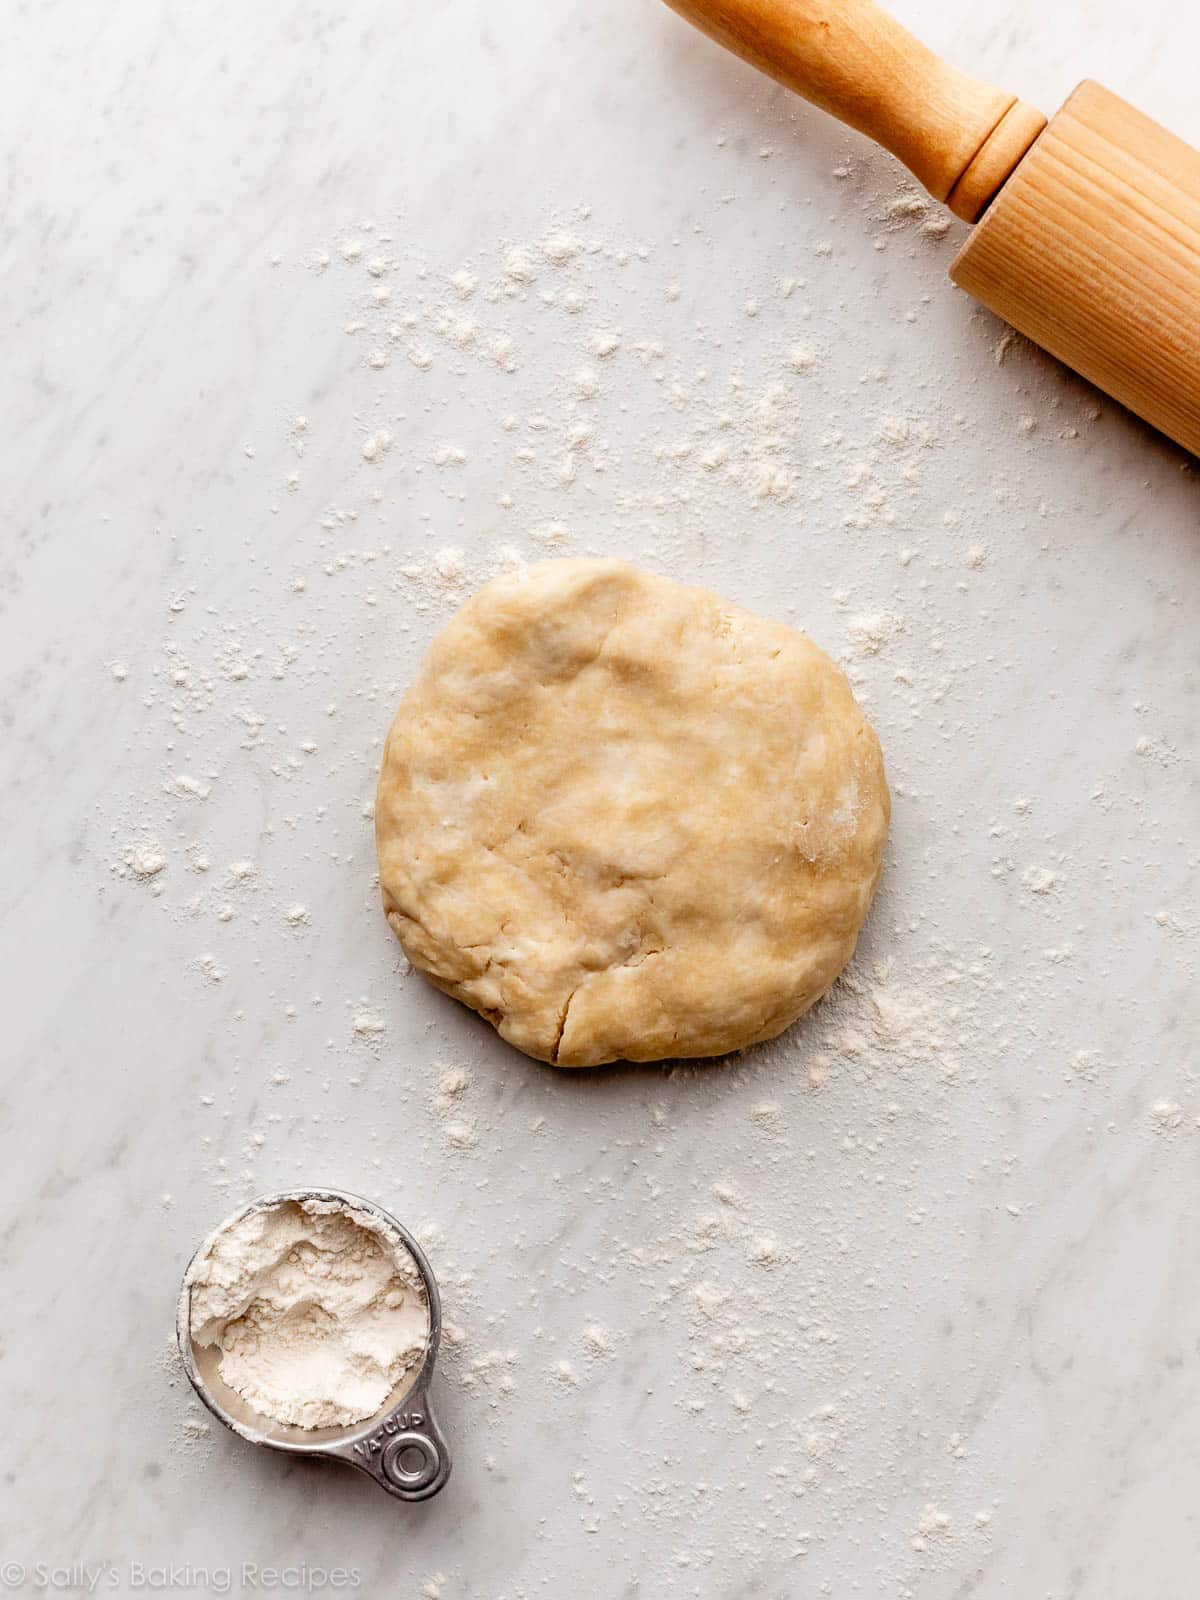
x=625, y=819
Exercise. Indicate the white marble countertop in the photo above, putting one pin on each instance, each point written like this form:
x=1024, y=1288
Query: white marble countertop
x=905, y=1304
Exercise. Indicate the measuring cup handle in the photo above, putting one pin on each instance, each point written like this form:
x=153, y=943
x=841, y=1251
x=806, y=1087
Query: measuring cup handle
x=405, y=1453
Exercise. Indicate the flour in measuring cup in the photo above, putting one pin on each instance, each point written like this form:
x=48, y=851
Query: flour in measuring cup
x=318, y=1313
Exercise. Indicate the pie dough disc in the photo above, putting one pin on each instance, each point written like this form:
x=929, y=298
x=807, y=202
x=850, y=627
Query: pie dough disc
x=625, y=819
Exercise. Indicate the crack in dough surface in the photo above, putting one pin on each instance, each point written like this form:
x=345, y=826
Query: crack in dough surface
x=596, y=766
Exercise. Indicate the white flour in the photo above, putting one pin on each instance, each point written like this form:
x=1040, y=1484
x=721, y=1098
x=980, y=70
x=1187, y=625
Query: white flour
x=318, y=1315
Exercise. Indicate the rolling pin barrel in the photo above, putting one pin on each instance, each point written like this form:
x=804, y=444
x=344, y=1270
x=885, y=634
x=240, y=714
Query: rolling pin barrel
x=959, y=137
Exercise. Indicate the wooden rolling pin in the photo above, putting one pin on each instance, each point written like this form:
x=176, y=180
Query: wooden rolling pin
x=1090, y=234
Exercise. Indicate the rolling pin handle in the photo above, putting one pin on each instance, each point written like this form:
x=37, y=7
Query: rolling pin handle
x=959, y=137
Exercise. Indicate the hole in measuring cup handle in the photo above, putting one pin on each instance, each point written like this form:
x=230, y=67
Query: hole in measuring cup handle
x=411, y=1461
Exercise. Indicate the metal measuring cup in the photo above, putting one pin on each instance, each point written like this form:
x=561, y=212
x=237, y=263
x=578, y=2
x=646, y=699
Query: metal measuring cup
x=401, y=1447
